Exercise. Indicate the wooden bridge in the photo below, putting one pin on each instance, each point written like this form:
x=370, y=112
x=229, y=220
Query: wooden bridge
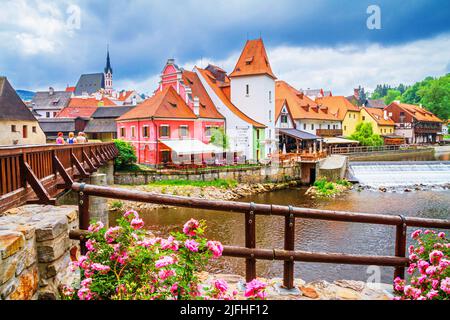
x=36, y=174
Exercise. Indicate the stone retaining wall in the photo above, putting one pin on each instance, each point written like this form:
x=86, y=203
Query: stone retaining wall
x=36, y=251
x=242, y=175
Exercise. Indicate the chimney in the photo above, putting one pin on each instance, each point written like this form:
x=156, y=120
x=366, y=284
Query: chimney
x=197, y=106
x=385, y=114
x=51, y=91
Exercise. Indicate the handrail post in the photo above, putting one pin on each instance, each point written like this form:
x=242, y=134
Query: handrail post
x=400, y=246
x=83, y=214
x=289, y=245
x=250, y=242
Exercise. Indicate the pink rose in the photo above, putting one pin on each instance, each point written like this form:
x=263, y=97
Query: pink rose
x=436, y=256
x=215, y=247
x=164, y=262
x=445, y=285
x=221, y=285
x=96, y=226
x=416, y=234
x=192, y=245
x=441, y=235
x=164, y=274
x=190, y=227
x=137, y=223
x=130, y=215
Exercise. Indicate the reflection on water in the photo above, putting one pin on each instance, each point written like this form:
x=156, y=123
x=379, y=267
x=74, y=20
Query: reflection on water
x=311, y=235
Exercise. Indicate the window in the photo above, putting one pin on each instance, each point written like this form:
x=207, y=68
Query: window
x=122, y=132
x=247, y=89
x=329, y=127
x=284, y=118
x=270, y=115
x=47, y=114
x=345, y=127
x=364, y=118
x=312, y=126
x=133, y=131
x=304, y=126
x=208, y=131
x=13, y=128
x=183, y=131
x=34, y=129
x=164, y=131
x=145, y=131
x=24, y=132
x=270, y=96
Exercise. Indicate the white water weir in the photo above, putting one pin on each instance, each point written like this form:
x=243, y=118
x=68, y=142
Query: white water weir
x=400, y=173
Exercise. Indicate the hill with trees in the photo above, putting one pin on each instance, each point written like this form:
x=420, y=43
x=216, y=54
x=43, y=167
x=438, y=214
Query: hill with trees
x=432, y=93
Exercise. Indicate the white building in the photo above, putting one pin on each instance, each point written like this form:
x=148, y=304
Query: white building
x=252, y=85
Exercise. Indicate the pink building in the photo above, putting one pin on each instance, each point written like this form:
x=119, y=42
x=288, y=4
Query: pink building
x=175, y=122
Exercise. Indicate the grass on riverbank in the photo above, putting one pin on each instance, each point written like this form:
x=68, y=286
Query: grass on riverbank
x=136, y=168
x=325, y=188
x=218, y=183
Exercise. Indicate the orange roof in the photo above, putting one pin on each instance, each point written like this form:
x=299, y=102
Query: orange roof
x=123, y=97
x=164, y=104
x=417, y=112
x=207, y=107
x=90, y=102
x=215, y=85
x=70, y=89
x=299, y=105
x=75, y=112
x=337, y=102
x=378, y=115
x=253, y=60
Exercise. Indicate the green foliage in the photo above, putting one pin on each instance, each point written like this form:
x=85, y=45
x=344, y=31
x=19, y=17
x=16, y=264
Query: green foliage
x=344, y=182
x=219, y=138
x=364, y=134
x=116, y=205
x=219, y=183
x=391, y=96
x=432, y=93
x=127, y=155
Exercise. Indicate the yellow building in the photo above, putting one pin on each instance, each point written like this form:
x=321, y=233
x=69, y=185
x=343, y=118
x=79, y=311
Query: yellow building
x=345, y=111
x=381, y=123
x=17, y=124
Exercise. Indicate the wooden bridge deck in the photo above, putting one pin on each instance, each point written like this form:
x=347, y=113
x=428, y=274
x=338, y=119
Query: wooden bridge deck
x=37, y=173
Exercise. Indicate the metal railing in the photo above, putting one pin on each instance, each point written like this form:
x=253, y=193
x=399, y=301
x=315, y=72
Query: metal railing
x=250, y=210
x=363, y=149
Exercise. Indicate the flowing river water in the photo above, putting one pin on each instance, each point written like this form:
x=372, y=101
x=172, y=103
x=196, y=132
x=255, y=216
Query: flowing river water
x=312, y=235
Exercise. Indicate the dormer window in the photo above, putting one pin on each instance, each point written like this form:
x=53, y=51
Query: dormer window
x=173, y=104
x=249, y=60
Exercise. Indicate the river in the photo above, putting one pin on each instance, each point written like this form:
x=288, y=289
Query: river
x=311, y=235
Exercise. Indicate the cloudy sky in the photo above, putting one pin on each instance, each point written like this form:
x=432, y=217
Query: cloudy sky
x=311, y=44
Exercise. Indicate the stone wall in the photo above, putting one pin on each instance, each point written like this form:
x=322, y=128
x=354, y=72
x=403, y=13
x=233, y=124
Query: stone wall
x=36, y=251
x=242, y=175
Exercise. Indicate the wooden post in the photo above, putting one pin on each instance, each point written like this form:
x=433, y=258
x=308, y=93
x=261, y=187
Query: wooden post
x=289, y=245
x=250, y=242
x=83, y=211
x=400, y=246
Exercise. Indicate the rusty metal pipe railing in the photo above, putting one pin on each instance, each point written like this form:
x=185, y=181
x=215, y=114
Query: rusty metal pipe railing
x=250, y=253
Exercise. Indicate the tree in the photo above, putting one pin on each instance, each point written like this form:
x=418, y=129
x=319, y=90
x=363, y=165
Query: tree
x=364, y=134
x=219, y=138
x=392, y=95
x=435, y=96
x=127, y=155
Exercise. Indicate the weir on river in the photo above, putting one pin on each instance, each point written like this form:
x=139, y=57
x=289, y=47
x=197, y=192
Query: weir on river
x=401, y=173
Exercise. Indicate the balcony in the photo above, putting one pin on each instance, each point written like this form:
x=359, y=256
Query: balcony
x=329, y=132
x=427, y=130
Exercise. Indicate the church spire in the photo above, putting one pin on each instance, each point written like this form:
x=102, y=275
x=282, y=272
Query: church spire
x=108, y=62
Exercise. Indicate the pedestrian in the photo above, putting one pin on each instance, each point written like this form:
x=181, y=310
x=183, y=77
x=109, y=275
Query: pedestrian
x=60, y=138
x=81, y=138
x=71, y=139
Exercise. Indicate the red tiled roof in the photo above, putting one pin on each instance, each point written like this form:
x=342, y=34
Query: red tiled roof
x=207, y=107
x=90, y=102
x=70, y=89
x=378, y=115
x=300, y=106
x=417, y=112
x=123, y=97
x=215, y=85
x=164, y=104
x=75, y=112
x=253, y=60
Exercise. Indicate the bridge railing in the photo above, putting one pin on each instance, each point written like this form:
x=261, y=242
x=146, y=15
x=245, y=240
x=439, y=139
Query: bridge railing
x=250, y=211
x=363, y=149
x=33, y=173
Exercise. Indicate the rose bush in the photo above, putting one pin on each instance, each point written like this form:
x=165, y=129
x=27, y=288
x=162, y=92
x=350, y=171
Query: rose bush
x=123, y=263
x=429, y=267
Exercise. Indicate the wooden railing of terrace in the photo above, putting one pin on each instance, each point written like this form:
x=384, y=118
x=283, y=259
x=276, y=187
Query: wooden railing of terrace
x=37, y=173
x=250, y=211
